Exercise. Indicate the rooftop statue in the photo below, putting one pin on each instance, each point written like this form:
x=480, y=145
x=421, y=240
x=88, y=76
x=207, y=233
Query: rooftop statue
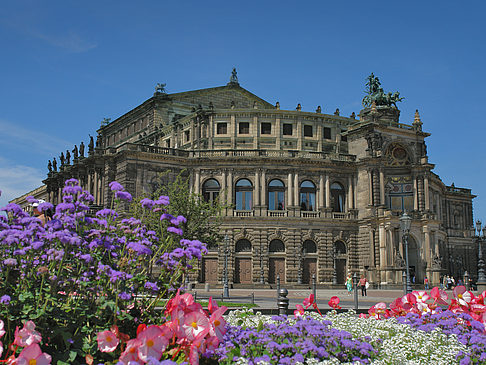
x=375, y=93
x=160, y=88
x=233, y=78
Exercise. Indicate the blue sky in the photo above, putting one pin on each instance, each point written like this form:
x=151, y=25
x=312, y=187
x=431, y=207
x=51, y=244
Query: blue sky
x=66, y=65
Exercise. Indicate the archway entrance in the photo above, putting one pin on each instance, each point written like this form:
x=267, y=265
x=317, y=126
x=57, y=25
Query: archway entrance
x=276, y=261
x=414, y=262
x=340, y=261
x=309, y=261
x=243, y=262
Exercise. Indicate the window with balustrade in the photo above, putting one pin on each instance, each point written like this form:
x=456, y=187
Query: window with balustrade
x=338, y=196
x=307, y=196
x=244, y=194
x=276, y=190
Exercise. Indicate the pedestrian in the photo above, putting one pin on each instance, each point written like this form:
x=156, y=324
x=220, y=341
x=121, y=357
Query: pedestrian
x=363, y=283
x=449, y=282
x=349, y=284
x=426, y=283
x=444, y=282
x=38, y=214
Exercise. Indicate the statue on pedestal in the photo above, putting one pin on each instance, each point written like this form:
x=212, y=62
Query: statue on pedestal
x=75, y=153
x=376, y=94
x=61, y=158
x=91, y=144
x=81, y=150
x=68, y=157
x=49, y=166
x=54, y=164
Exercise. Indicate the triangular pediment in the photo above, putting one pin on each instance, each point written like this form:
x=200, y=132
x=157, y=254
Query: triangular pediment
x=223, y=97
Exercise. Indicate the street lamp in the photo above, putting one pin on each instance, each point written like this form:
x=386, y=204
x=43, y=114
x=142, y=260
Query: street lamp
x=405, y=223
x=481, y=283
x=225, y=268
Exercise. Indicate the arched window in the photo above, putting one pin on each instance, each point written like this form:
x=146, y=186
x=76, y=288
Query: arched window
x=244, y=190
x=307, y=196
x=309, y=247
x=276, y=190
x=243, y=246
x=210, y=190
x=339, y=248
x=337, y=197
x=276, y=246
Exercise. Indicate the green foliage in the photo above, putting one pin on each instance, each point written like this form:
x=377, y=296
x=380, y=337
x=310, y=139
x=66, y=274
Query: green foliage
x=203, y=218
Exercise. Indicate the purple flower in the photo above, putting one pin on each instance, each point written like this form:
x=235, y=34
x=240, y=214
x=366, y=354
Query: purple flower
x=71, y=181
x=10, y=262
x=115, y=186
x=151, y=286
x=5, y=299
x=147, y=203
x=31, y=200
x=106, y=213
x=44, y=206
x=175, y=230
x=163, y=200
x=125, y=296
x=176, y=221
x=123, y=195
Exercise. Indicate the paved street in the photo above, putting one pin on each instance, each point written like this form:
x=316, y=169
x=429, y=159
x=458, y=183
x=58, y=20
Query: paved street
x=267, y=298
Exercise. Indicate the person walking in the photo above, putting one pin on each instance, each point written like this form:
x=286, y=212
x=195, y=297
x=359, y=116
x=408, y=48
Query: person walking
x=349, y=284
x=426, y=283
x=363, y=283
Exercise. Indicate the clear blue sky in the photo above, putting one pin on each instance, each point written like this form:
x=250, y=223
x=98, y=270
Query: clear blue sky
x=66, y=65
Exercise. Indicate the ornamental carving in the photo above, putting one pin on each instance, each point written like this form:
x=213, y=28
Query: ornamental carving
x=397, y=155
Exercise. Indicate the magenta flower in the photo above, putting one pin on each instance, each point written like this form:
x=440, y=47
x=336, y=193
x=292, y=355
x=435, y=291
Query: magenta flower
x=27, y=335
x=154, y=341
x=32, y=354
x=194, y=323
x=107, y=341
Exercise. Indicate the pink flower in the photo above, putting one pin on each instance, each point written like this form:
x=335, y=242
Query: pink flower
x=440, y=296
x=299, y=312
x=27, y=335
x=32, y=355
x=1, y=348
x=154, y=341
x=421, y=295
x=218, y=323
x=334, y=303
x=463, y=296
x=194, y=323
x=308, y=301
x=212, y=305
x=131, y=351
x=107, y=341
x=377, y=310
x=2, y=331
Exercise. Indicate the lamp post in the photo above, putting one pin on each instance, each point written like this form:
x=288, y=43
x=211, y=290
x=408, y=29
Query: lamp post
x=300, y=272
x=405, y=223
x=481, y=283
x=225, y=268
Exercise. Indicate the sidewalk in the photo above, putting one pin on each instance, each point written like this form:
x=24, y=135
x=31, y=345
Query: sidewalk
x=267, y=298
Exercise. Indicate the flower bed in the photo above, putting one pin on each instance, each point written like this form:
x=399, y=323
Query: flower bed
x=80, y=289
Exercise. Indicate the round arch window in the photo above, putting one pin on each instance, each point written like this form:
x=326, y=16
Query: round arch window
x=276, y=246
x=243, y=246
x=244, y=194
x=211, y=190
x=309, y=247
x=307, y=196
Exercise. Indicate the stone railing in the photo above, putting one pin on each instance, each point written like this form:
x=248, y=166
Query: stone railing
x=230, y=153
x=309, y=214
x=277, y=213
x=243, y=213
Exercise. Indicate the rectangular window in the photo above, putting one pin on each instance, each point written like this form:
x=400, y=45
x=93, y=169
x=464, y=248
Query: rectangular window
x=308, y=131
x=222, y=128
x=187, y=134
x=287, y=129
x=327, y=133
x=266, y=128
x=244, y=128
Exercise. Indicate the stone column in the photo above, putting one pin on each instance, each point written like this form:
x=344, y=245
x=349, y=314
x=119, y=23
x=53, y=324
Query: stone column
x=328, y=192
x=350, y=193
x=296, y=190
x=299, y=135
x=278, y=133
x=263, y=196
x=426, y=193
x=197, y=183
x=370, y=187
x=382, y=188
x=382, y=240
x=321, y=193
x=210, y=132
x=256, y=138
x=257, y=189
x=232, y=131
x=290, y=201
x=319, y=138
x=415, y=194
